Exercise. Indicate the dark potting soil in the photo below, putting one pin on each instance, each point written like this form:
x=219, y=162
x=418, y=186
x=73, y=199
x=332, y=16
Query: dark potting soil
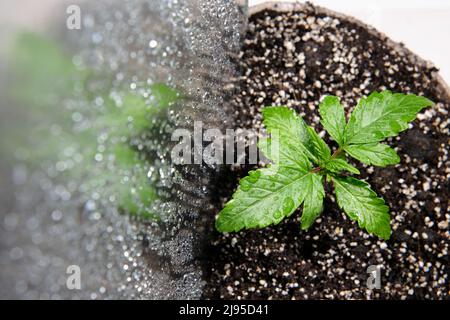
x=294, y=59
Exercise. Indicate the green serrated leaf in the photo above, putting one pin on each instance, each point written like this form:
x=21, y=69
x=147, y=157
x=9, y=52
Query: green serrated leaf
x=268, y=195
x=318, y=147
x=290, y=128
x=313, y=203
x=362, y=204
x=338, y=164
x=286, y=152
x=286, y=121
x=264, y=197
x=382, y=115
x=333, y=118
x=377, y=154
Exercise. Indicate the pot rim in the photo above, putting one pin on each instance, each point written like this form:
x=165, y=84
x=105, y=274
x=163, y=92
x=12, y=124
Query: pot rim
x=291, y=6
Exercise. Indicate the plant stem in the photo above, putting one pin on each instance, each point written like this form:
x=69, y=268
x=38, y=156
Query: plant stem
x=316, y=169
x=336, y=153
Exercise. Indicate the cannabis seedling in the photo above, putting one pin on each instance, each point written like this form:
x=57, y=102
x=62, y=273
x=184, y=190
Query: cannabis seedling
x=302, y=163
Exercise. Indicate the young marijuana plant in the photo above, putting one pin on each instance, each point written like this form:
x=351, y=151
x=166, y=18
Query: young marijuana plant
x=304, y=162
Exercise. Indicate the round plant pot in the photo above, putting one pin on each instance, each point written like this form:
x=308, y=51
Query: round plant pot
x=292, y=55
